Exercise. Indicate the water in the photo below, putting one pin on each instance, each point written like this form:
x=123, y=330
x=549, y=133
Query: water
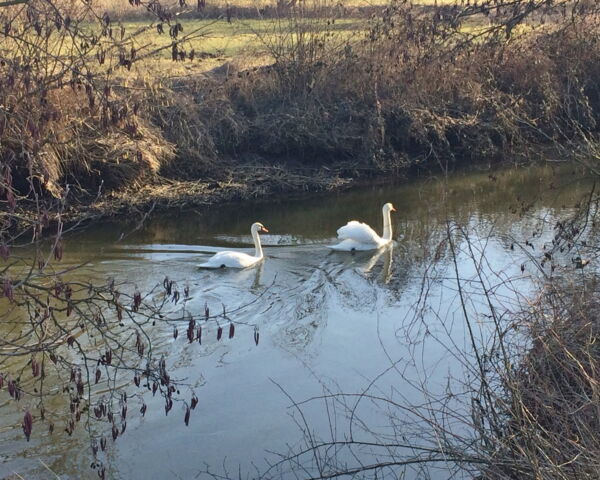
x=328, y=322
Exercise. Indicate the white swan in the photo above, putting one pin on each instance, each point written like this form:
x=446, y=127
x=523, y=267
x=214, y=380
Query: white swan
x=359, y=236
x=238, y=259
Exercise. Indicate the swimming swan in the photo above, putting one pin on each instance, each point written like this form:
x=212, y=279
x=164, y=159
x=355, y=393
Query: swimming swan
x=238, y=259
x=359, y=236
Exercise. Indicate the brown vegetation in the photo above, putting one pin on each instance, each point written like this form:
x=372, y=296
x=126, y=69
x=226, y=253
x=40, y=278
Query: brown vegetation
x=415, y=88
x=552, y=407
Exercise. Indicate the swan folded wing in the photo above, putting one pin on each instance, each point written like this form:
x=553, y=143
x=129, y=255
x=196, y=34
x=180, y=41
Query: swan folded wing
x=359, y=232
x=229, y=259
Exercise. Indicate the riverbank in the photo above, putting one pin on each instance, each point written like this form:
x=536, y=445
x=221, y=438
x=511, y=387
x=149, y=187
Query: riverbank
x=332, y=105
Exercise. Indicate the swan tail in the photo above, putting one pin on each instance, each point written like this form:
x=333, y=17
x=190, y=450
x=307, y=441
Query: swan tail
x=211, y=266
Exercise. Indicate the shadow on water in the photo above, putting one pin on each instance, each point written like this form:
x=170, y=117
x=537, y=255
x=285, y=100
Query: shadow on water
x=328, y=321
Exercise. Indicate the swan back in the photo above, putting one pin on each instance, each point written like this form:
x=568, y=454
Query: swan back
x=359, y=232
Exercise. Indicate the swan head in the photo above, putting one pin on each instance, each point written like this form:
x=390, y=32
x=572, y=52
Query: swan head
x=258, y=227
x=388, y=207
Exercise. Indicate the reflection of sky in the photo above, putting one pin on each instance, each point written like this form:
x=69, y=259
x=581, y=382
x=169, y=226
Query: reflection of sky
x=327, y=320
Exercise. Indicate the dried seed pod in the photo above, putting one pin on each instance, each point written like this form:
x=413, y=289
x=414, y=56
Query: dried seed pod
x=194, y=401
x=137, y=301
x=231, y=330
x=27, y=424
x=168, y=405
x=98, y=375
x=186, y=419
x=143, y=409
x=175, y=333
x=35, y=367
x=256, y=335
x=12, y=388
x=219, y=333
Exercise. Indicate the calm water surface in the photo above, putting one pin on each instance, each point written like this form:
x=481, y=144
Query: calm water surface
x=328, y=322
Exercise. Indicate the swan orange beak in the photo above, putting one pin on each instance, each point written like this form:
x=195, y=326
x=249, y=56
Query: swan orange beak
x=393, y=209
x=264, y=229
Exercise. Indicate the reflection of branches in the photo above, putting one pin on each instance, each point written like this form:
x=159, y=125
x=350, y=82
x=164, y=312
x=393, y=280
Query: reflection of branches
x=481, y=418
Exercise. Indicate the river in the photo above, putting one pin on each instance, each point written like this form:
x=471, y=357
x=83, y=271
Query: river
x=387, y=322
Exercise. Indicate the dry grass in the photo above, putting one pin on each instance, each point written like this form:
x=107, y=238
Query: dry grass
x=257, y=8
x=550, y=411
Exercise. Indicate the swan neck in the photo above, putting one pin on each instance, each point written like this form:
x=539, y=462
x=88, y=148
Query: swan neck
x=257, y=246
x=387, y=225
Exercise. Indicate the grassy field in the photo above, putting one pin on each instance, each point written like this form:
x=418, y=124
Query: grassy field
x=219, y=38
x=122, y=10
x=248, y=43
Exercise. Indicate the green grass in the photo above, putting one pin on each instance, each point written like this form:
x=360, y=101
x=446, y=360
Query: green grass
x=223, y=39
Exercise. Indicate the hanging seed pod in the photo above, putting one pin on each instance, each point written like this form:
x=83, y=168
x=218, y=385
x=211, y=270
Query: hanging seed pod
x=219, y=333
x=123, y=427
x=186, y=419
x=98, y=375
x=231, y=330
x=8, y=290
x=12, y=389
x=168, y=405
x=27, y=424
x=136, y=380
x=206, y=312
x=58, y=250
x=199, y=335
x=175, y=333
x=35, y=368
x=143, y=409
x=168, y=285
x=256, y=336
x=194, y=401
x=191, y=330
x=154, y=388
x=115, y=432
x=137, y=301
x=103, y=444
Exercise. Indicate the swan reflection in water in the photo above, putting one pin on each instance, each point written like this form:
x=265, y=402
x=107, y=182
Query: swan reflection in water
x=365, y=262
x=387, y=252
